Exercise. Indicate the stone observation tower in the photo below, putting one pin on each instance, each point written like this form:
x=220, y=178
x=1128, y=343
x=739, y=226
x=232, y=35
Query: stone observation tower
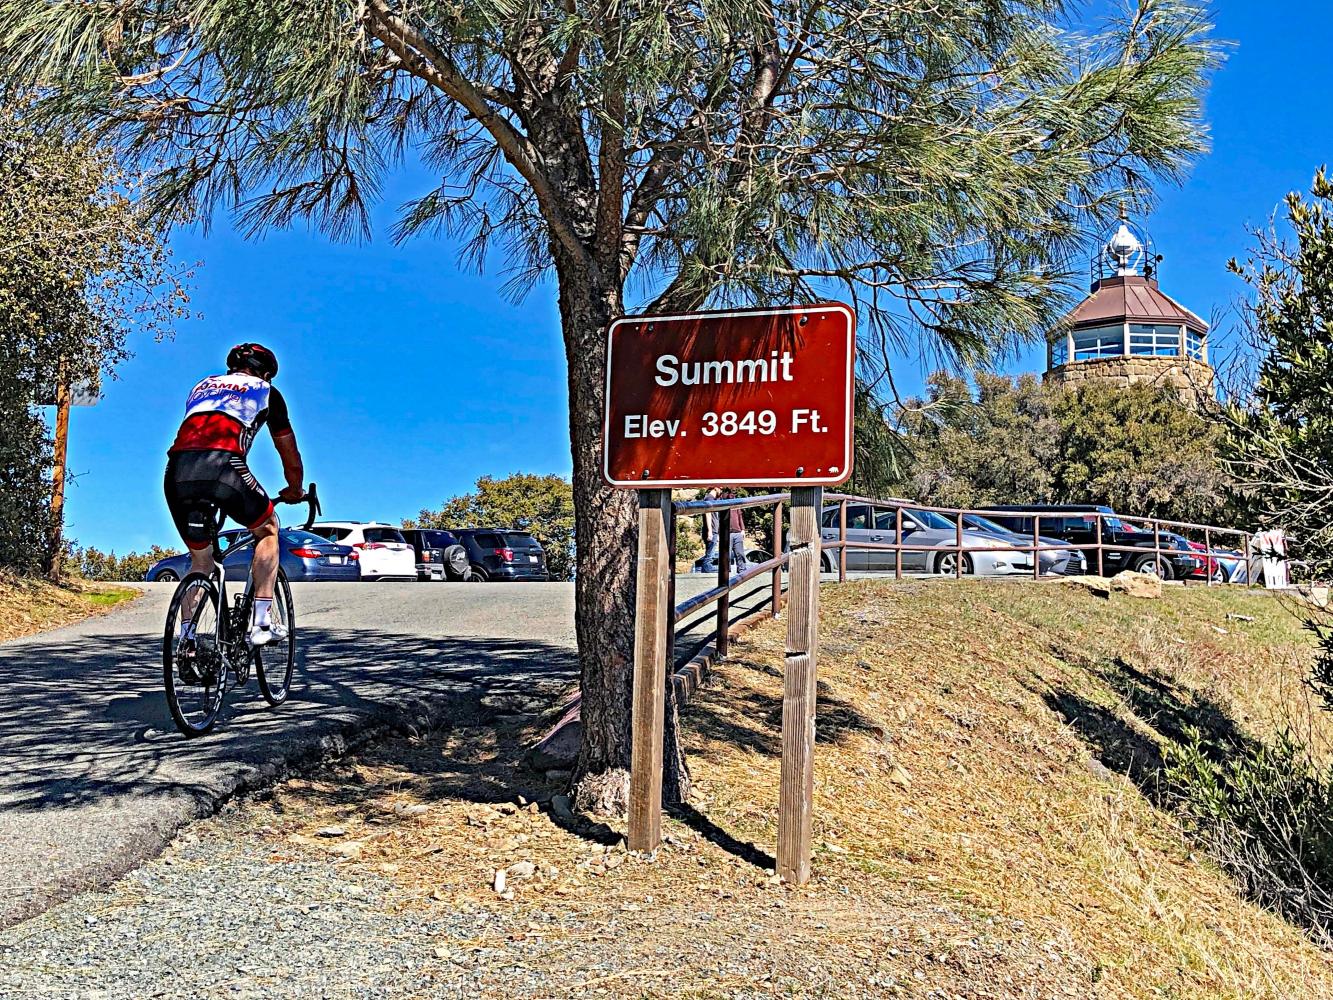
x=1127, y=330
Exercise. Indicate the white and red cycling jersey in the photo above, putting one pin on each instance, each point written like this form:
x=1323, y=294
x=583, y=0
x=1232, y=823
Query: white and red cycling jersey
x=225, y=412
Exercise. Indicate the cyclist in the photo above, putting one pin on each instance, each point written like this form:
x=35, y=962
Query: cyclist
x=206, y=469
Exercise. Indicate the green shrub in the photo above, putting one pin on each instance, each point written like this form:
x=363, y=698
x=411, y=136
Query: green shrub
x=1265, y=813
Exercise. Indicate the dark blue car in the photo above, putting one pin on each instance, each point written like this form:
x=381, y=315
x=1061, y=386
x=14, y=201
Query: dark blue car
x=304, y=557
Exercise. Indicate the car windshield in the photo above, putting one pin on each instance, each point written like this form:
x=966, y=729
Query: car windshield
x=985, y=524
x=520, y=539
x=929, y=519
x=297, y=536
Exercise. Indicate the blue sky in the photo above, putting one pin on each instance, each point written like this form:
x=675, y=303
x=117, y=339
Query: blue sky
x=407, y=379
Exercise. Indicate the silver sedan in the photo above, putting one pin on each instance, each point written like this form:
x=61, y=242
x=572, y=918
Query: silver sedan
x=986, y=555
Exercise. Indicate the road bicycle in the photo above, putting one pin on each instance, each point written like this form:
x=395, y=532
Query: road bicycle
x=198, y=670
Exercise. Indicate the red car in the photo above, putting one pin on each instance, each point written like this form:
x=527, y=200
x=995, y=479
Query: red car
x=1219, y=570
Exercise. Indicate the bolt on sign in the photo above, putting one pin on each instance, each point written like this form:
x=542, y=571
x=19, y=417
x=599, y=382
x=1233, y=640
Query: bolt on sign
x=736, y=398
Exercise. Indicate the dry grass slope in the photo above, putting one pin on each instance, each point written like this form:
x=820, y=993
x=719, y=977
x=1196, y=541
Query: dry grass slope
x=984, y=817
x=29, y=605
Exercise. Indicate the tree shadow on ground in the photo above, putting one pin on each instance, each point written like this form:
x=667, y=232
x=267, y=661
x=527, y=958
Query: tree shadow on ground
x=1161, y=711
x=752, y=719
x=87, y=722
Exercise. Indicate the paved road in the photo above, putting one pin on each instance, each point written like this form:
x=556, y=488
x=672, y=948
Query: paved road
x=94, y=778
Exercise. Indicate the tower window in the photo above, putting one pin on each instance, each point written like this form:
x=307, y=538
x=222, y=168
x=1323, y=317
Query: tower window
x=1154, y=339
x=1099, y=342
x=1059, y=351
x=1194, y=344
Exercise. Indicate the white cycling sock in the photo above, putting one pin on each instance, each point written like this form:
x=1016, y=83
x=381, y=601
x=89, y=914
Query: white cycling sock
x=261, y=612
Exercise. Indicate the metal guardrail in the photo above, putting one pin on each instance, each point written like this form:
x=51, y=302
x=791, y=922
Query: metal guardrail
x=720, y=594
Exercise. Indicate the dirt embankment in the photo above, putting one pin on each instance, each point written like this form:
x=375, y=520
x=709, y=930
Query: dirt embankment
x=29, y=605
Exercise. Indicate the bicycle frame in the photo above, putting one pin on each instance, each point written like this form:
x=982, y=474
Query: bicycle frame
x=232, y=620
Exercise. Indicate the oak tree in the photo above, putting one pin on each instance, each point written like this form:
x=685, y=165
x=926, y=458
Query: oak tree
x=81, y=268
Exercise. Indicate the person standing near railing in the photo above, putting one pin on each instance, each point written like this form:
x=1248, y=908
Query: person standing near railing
x=710, y=526
x=737, y=537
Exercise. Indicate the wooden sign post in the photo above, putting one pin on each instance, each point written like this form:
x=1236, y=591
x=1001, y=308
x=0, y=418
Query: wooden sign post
x=797, y=785
x=721, y=399
x=652, y=625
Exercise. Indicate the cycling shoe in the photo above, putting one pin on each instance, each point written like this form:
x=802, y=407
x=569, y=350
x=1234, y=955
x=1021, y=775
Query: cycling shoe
x=262, y=635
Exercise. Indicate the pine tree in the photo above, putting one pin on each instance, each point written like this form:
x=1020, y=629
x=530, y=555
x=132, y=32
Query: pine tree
x=935, y=161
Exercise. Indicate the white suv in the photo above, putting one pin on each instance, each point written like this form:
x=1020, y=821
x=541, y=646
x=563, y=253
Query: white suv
x=385, y=554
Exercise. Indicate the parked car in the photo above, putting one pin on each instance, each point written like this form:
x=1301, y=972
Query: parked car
x=502, y=554
x=920, y=527
x=1057, y=562
x=438, y=553
x=385, y=554
x=1077, y=524
x=304, y=557
x=1223, y=566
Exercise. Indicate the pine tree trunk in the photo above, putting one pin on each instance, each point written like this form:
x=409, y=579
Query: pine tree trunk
x=606, y=528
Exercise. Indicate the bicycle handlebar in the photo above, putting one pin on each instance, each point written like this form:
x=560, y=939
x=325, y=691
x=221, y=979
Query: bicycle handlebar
x=311, y=500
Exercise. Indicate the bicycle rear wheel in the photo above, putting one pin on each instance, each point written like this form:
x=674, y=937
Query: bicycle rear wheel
x=275, y=662
x=193, y=669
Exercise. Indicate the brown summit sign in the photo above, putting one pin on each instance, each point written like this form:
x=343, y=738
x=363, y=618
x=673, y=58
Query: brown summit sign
x=747, y=397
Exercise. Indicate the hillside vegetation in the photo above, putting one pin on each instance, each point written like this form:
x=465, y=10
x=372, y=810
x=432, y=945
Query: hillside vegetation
x=986, y=823
x=1002, y=746
x=29, y=605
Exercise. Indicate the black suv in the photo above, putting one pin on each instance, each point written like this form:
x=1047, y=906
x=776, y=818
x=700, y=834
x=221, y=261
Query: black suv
x=1078, y=524
x=439, y=554
x=503, y=554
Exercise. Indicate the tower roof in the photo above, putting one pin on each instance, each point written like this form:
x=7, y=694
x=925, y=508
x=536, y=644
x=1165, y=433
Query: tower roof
x=1134, y=298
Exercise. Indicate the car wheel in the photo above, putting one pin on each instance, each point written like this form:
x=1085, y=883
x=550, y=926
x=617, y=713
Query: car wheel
x=1219, y=575
x=946, y=564
x=166, y=576
x=478, y=575
x=1155, y=566
x=825, y=564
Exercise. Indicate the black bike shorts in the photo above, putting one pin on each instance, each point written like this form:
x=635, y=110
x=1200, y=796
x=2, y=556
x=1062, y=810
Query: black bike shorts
x=199, y=482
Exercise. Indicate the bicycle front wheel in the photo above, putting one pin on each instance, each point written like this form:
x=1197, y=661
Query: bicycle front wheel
x=275, y=662
x=193, y=667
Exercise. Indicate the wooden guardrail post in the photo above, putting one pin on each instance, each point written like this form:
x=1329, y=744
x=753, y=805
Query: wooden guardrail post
x=898, y=541
x=1208, y=556
x=796, y=794
x=1036, y=547
x=652, y=626
x=1101, y=562
x=842, y=539
x=958, y=543
x=777, y=554
x=723, y=638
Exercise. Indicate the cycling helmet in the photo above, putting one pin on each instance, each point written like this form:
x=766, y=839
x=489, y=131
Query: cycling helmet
x=253, y=358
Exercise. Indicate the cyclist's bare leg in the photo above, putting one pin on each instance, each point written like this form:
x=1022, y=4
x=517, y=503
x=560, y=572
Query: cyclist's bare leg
x=201, y=561
x=265, y=566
